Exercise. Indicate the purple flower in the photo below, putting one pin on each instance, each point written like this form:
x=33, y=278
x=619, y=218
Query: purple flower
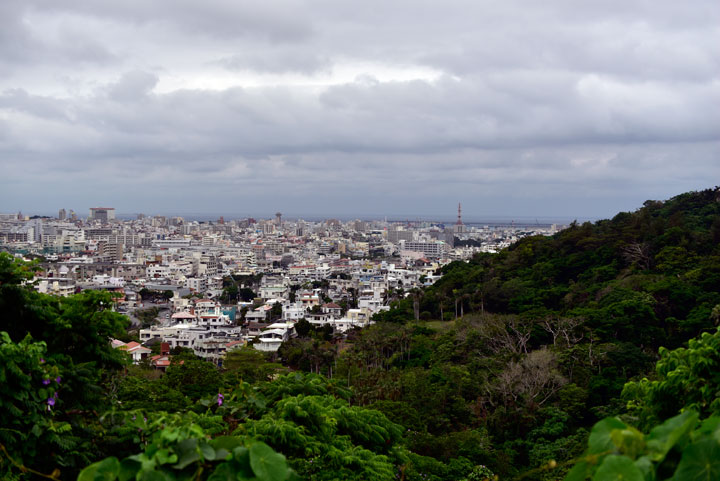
x=42, y=360
x=46, y=382
x=50, y=403
x=58, y=379
x=55, y=395
x=220, y=399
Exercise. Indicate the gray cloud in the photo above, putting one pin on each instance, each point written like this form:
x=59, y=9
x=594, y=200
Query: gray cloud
x=274, y=61
x=513, y=108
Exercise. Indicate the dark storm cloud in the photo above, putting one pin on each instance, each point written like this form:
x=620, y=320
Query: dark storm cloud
x=509, y=105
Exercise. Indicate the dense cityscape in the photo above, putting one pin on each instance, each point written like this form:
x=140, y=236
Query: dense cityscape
x=214, y=286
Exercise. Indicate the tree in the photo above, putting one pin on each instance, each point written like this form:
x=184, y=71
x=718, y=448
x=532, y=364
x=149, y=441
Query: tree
x=303, y=327
x=687, y=378
x=194, y=379
x=246, y=295
x=53, y=357
x=249, y=365
x=229, y=294
x=276, y=311
x=325, y=438
x=531, y=382
x=28, y=398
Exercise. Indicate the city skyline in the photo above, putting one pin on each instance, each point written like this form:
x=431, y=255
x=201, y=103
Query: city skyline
x=444, y=218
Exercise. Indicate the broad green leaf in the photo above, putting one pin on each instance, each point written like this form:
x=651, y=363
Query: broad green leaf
x=187, y=453
x=629, y=441
x=267, y=464
x=618, y=468
x=645, y=466
x=164, y=456
x=105, y=470
x=154, y=476
x=579, y=472
x=242, y=455
x=600, y=440
x=170, y=434
x=710, y=426
x=207, y=451
x=223, y=472
x=224, y=445
x=128, y=469
x=241, y=459
x=663, y=437
x=700, y=462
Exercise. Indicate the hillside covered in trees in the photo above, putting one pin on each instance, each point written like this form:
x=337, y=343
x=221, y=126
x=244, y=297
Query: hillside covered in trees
x=592, y=354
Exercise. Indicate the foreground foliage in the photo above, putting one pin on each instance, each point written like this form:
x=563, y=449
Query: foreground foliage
x=681, y=448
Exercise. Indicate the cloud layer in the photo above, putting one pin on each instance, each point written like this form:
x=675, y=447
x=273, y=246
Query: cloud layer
x=332, y=108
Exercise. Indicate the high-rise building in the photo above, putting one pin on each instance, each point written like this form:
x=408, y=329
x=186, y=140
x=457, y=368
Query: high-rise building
x=396, y=234
x=62, y=215
x=102, y=214
x=459, y=226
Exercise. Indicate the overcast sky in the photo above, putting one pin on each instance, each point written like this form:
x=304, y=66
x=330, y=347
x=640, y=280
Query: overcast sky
x=559, y=108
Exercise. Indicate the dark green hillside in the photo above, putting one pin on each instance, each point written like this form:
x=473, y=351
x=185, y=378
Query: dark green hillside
x=651, y=276
x=540, y=339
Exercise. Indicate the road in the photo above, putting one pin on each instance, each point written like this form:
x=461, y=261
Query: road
x=164, y=308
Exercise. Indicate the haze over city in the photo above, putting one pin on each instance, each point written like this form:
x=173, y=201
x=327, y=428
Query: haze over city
x=519, y=109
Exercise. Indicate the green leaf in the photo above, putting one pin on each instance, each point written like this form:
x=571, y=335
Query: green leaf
x=207, y=451
x=600, y=437
x=242, y=455
x=241, y=458
x=579, y=472
x=154, y=476
x=700, y=462
x=629, y=441
x=618, y=468
x=223, y=472
x=645, y=466
x=105, y=470
x=187, y=453
x=226, y=442
x=267, y=464
x=128, y=469
x=710, y=426
x=164, y=456
x=662, y=438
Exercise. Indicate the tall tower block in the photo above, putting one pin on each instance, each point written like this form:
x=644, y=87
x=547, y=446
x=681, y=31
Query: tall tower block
x=459, y=226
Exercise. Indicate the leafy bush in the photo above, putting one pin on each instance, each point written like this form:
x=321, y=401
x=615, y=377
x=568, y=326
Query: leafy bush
x=681, y=448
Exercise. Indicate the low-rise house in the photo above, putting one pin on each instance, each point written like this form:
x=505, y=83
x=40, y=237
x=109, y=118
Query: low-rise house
x=332, y=309
x=137, y=351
